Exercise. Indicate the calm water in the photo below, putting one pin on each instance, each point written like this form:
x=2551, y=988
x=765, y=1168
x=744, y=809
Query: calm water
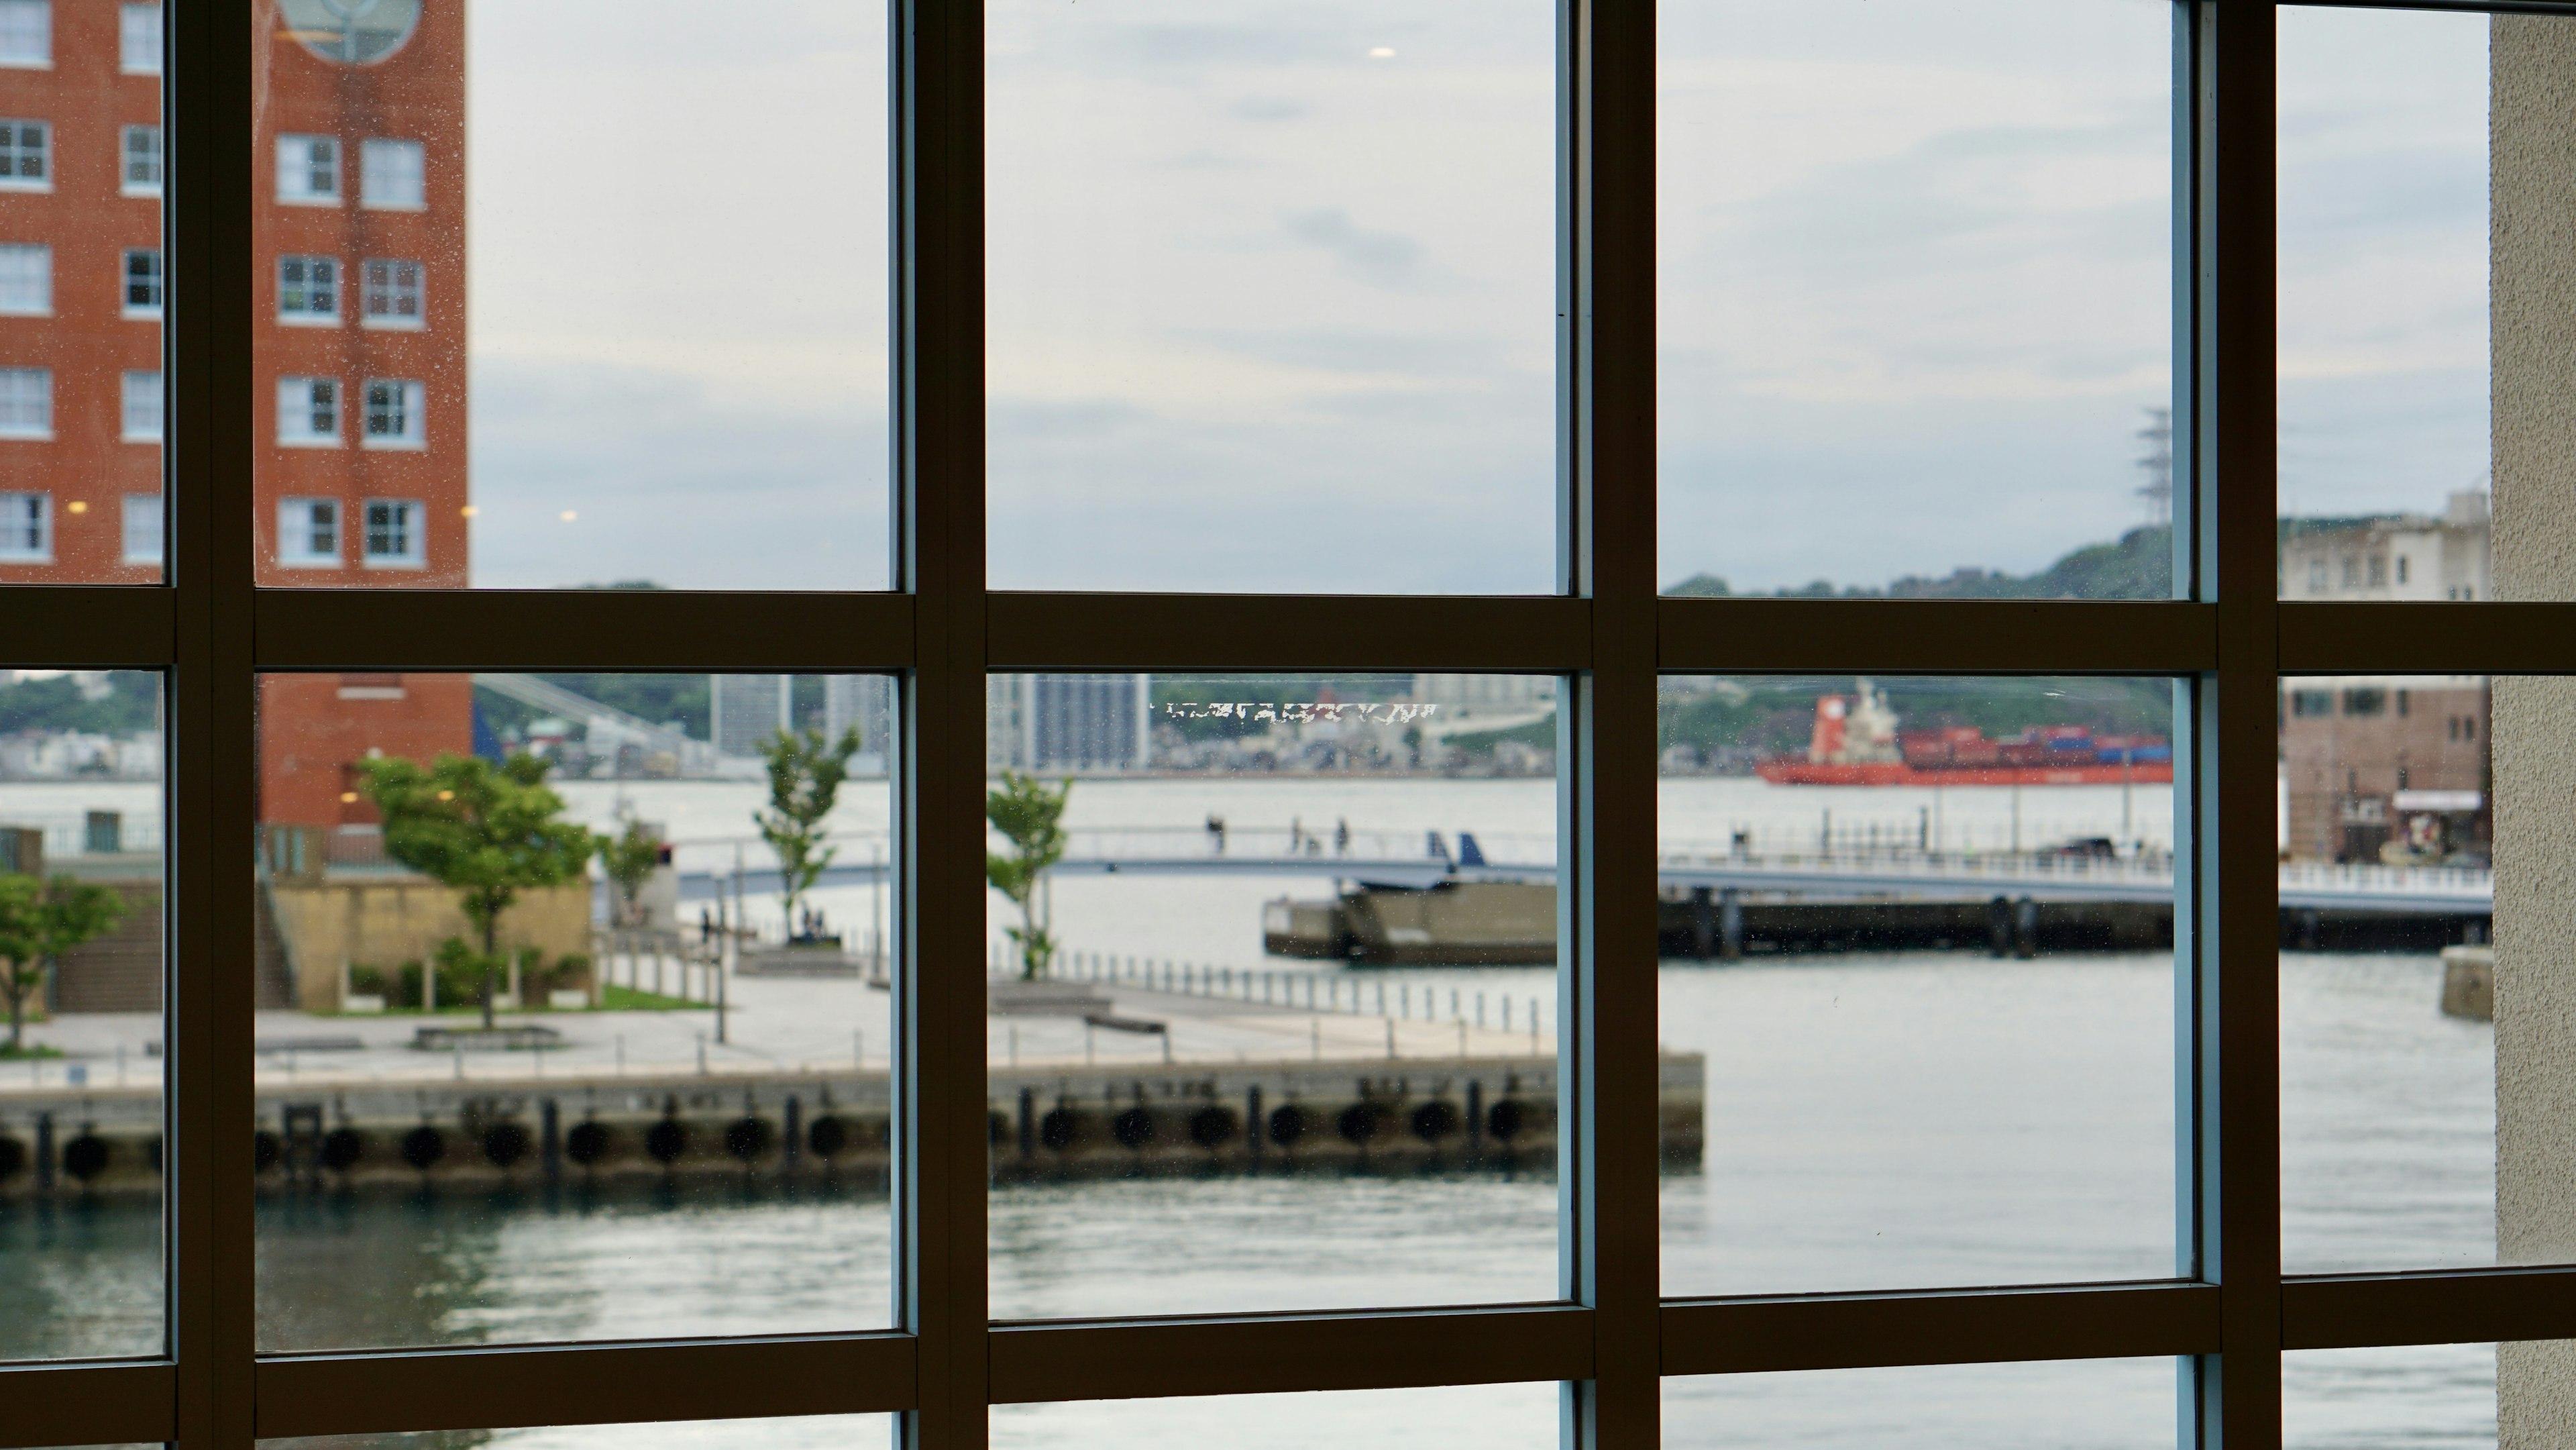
x=1874, y=1122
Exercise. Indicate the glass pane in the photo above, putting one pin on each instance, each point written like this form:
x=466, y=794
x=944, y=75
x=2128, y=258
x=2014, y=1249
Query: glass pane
x=81, y=811
x=2397, y=1087
x=2384, y=343
x=610, y=1083
x=1272, y=295
x=1921, y=933
x=793, y=1432
x=1508, y=1417
x=2420, y=1397
x=496, y=349
x=2103, y=1404
x=1273, y=969
x=1915, y=265
x=81, y=287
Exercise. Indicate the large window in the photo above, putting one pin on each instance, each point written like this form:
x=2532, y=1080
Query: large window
x=992, y=844
x=26, y=279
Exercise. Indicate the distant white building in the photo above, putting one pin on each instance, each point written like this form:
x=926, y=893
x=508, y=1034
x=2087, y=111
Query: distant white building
x=748, y=709
x=1078, y=723
x=2408, y=556
x=1486, y=694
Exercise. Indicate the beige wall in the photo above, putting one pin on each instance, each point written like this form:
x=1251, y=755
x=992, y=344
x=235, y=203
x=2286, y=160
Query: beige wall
x=2533, y=313
x=385, y=922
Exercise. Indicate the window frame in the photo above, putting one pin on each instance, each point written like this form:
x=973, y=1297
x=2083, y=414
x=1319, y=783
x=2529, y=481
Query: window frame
x=418, y=173
x=2228, y=1313
x=308, y=317
x=393, y=292
x=154, y=279
x=46, y=61
x=13, y=147
x=126, y=155
x=42, y=306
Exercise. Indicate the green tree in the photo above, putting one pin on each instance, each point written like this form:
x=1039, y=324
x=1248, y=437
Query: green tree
x=487, y=831
x=629, y=858
x=805, y=775
x=39, y=922
x=1030, y=815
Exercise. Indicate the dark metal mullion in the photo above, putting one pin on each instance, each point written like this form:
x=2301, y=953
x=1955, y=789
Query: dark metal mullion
x=937, y=126
x=2428, y=638
x=584, y=1384
x=2476, y=1306
x=209, y=105
x=1851, y=1331
x=2234, y=749
x=1263, y=1354
x=1606, y=988
x=1937, y=636
x=86, y=1404
x=606, y=629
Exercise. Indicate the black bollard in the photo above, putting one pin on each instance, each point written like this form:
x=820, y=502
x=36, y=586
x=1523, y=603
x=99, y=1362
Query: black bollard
x=550, y=1140
x=1703, y=909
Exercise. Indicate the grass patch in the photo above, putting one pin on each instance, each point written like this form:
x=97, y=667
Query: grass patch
x=614, y=998
x=32, y=1053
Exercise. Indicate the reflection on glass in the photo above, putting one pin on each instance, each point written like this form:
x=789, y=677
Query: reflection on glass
x=1273, y=992
x=2103, y=1404
x=510, y=346
x=2384, y=281
x=80, y=1015
x=81, y=289
x=1914, y=264
x=1921, y=932
x=794, y=1432
x=1508, y=1417
x=632, y=1082
x=1272, y=295
x=2393, y=789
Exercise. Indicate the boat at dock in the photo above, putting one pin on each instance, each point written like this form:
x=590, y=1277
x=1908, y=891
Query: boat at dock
x=1856, y=741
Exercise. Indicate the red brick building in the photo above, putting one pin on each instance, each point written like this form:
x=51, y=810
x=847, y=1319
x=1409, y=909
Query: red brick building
x=361, y=363
x=2385, y=768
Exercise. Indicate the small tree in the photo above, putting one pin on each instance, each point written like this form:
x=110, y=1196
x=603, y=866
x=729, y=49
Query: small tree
x=629, y=858
x=39, y=922
x=488, y=831
x=1030, y=816
x=805, y=775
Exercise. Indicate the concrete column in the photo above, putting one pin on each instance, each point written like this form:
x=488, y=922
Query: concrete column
x=2532, y=311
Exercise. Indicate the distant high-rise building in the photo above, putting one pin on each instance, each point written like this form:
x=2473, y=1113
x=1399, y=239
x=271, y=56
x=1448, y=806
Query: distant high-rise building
x=749, y=709
x=1068, y=722
x=862, y=701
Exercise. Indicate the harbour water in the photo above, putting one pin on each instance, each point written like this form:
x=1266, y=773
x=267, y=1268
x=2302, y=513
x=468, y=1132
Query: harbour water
x=1873, y=1122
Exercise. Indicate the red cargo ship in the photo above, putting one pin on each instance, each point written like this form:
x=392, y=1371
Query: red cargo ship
x=1856, y=742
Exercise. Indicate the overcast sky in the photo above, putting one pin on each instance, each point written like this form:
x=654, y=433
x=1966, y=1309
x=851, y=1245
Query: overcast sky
x=1272, y=297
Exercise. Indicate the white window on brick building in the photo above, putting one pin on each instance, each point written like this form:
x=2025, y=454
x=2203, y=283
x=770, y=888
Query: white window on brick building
x=394, y=414
x=143, y=407
x=308, y=291
x=26, y=403
x=143, y=528
x=26, y=279
x=26, y=156
x=308, y=533
x=142, y=288
x=392, y=175
x=308, y=412
x=308, y=170
x=142, y=153
x=26, y=33
x=26, y=528
x=138, y=39
x=393, y=533
x=392, y=293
